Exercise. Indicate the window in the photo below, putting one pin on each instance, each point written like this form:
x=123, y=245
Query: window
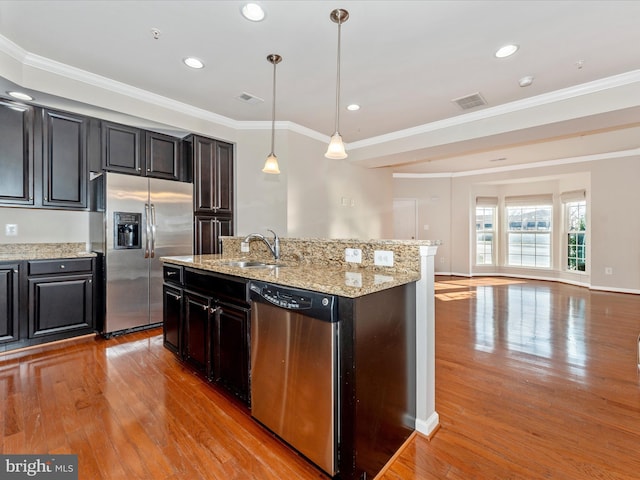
x=529, y=221
x=576, y=228
x=485, y=230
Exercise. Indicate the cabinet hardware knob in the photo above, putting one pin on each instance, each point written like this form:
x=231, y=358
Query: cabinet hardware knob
x=171, y=274
x=62, y=266
x=205, y=307
x=177, y=297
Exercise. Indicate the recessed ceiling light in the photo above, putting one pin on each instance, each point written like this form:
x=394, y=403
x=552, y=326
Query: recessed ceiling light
x=21, y=96
x=253, y=12
x=507, y=51
x=193, y=62
x=353, y=107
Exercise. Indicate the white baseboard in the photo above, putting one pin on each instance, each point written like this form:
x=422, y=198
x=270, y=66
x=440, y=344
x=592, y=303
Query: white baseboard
x=428, y=426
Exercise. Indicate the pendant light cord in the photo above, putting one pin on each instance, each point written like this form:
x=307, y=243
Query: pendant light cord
x=338, y=79
x=273, y=110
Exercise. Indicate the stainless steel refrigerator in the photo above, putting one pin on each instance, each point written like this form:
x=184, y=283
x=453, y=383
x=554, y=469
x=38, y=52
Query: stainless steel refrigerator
x=141, y=220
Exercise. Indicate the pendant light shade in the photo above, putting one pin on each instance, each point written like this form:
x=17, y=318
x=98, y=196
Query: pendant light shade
x=271, y=164
x=336, y=146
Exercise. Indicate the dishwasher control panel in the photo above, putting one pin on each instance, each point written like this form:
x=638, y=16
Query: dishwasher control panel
x=313, y=304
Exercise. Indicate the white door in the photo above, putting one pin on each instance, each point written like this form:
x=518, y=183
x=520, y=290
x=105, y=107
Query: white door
x=405, y=218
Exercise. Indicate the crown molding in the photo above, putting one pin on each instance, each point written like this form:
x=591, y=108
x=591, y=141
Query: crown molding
x=524, y=166
x=507, y=108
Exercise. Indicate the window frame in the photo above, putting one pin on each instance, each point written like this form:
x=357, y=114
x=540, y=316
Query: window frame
x=529, y=204
x=579, y=204
x=485, y=231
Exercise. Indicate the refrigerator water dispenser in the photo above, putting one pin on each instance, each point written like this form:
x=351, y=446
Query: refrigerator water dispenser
x=126, y=230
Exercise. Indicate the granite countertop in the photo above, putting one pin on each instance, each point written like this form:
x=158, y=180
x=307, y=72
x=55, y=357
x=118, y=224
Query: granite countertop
x=42, y=251
x=334, y=280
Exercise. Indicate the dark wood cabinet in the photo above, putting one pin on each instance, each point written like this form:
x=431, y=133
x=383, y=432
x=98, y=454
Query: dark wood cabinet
x=213, y=175
x=207, y=231
x=60, y=297
x=134, y=151
x=16, y=153
x=231, y=347
x=198, y=311
x=65, y=172
x=9, y=302
x=162, y=156
x=212, y=163
x=206, y=324
x=122, y=148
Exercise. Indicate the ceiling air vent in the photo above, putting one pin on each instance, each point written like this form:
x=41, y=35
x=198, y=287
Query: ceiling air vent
x=248, y=98
x=470, y=101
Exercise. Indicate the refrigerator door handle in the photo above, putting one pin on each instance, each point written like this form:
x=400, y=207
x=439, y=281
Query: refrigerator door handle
x=153, y=230
x=147, y=217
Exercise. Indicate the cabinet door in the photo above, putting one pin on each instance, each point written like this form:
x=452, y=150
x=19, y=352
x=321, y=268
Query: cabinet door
x=172, y=315
x=207, y=231
x=122, y=148
x=65, y=177
x=162, y=156
x=9, y=306
x=197, y=332
x=16, y=153
x=60, y=304
x=213, y=176
x=232, y=349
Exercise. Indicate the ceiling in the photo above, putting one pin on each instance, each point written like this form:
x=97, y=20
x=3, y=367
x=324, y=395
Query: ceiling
x=403, y=62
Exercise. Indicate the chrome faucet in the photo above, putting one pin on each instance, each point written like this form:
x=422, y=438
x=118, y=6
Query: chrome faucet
x=274, y=249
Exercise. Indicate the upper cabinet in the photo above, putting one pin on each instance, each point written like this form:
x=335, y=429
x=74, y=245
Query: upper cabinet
x=64, y=160
x=16, y=153
x=212, y=175
x=162, y=156
x=134, y=151
x=122, y=148
x=43, y=157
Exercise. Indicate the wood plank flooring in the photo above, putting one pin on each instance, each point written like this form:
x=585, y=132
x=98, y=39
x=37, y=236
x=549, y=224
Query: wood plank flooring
x=534, y=380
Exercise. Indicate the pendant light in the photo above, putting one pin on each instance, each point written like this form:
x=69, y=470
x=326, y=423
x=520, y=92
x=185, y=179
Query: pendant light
x=336, y=146
x=271, y=164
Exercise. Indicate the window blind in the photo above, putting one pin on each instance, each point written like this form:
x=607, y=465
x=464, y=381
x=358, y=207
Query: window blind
x=573, y=196
x=528, y=200
x=487, y=201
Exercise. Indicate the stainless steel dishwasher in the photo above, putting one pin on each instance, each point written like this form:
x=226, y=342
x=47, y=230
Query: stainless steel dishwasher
x=294, y=365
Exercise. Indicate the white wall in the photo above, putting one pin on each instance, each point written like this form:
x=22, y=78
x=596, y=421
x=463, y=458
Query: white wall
x=44, y=226
x=612, y=193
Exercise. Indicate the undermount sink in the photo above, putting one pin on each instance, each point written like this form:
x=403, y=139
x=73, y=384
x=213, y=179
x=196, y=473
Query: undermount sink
x=250, y=264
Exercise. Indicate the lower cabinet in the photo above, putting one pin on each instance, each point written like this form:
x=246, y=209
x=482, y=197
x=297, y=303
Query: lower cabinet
x=206, y=324
x=172, y=308
x=231, y=349
x=60, y=297
x=9, y=302
x=197, y=332
x=46, y=300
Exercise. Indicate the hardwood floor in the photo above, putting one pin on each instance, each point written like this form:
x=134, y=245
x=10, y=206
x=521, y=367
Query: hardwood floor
x=534, y=380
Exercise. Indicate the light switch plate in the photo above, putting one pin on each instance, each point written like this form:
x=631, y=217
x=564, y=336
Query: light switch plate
x=11, y=229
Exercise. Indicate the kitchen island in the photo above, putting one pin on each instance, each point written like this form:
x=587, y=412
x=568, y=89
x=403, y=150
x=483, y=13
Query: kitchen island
x=376, y=383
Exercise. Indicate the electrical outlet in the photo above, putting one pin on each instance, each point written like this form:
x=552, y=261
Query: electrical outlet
x=244, y=247
x=353, y=255
x=11, y=229
x=383, y=258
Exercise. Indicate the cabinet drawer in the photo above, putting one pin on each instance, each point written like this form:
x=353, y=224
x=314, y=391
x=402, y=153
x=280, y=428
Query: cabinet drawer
x=232, y=290
x=65, y=265
x=172, y=274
